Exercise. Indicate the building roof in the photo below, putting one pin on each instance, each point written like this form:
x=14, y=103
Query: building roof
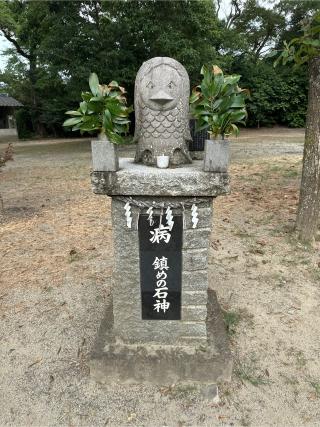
x=8, y=101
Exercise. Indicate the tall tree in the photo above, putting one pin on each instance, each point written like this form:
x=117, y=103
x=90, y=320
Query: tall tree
x=306, y=49
x=253, y=27
x=21, y=25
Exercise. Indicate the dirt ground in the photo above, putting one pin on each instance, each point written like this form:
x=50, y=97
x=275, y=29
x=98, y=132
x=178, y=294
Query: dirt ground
x=56, y=263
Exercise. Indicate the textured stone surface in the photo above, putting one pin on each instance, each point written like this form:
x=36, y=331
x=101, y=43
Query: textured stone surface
x=194, y=297
x=128, y=324
x=216, y=156
x=194, y=312
x=165, y=364
x=195, y=259
x=104, y=155
x=134, y=179
x=196, y=238
x=195, y=280
x=161, y=101
x=204, y=216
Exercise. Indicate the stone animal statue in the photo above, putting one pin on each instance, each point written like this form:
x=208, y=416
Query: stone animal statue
x=162, y=111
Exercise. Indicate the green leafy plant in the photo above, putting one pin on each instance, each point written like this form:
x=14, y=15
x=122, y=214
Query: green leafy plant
x=103, y=109
x=301, y=49
x=218, y=103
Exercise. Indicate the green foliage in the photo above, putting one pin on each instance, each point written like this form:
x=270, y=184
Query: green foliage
x=103, y=109
x=218, y=103
x=55, y=44
x=23, y=121
x=276, y=96
x=302, y=49
x=231, y=320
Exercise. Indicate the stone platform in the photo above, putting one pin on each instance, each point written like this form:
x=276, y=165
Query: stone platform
x=165, y=365
x=134, y=179
x=194, y=347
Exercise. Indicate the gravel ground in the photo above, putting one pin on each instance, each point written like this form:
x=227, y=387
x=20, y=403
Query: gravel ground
x=56, y=252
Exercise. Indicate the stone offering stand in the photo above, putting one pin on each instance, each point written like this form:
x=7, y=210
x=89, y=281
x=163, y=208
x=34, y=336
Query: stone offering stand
x=164, y=325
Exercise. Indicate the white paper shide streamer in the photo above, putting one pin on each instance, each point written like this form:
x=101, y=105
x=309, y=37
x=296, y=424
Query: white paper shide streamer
x=127, y=208
x=194, y=216
x=150, y=217
x=169, y=218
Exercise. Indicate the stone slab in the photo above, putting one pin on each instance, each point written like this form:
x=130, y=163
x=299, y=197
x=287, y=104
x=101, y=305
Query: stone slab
x=104, y=155
x=216, y=155
x=134, y=179
x=195, y=259
x=117, y=362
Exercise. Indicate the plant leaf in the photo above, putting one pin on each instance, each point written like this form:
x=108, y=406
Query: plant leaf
x=94, y=84
x=71, y=122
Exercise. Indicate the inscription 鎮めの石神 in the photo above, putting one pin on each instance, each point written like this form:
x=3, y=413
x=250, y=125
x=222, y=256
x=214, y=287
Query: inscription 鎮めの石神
x=161, y=264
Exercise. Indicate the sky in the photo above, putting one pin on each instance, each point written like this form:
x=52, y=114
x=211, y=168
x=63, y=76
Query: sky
x=4, y=44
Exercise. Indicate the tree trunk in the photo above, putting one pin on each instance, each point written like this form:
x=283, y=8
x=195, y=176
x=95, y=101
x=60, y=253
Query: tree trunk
x=309, y=202
x=38, y=127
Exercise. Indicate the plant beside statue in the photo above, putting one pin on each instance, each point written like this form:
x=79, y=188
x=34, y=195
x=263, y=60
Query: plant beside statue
x=218, y=105
x=104, y=110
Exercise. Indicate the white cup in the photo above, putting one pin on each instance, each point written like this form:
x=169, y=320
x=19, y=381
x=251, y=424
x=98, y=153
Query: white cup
x=163, y=162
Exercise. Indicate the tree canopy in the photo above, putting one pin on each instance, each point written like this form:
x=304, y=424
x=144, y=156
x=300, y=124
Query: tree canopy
x=55, y=45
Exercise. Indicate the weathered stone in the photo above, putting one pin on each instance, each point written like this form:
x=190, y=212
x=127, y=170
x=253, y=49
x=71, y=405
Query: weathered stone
x=196, y=238
x=216, y=155
x=207, y=362
x=193, y=328
x=162, y=111
x=196, y=280
x=204, y=217
x=128, y=324
x=194, y=312
x=194, y=341
x=194, y=297
x=104, y=155
x=195, y=259
x=136, y=179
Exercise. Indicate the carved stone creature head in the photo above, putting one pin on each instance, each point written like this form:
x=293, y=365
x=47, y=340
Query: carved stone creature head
x=162, y=111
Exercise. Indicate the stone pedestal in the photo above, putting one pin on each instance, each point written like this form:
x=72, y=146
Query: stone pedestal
x=193, y=348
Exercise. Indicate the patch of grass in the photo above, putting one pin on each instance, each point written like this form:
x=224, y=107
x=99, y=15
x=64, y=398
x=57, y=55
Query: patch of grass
x=316, y=387
x=290, y=173
x=248, y=371
x=231, y=320
x=275, y=168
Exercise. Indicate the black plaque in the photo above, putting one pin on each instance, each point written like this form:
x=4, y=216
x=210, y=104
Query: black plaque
x=153, y=256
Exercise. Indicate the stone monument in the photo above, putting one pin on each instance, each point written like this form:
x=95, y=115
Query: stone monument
x=162, y=111
x=164, y=325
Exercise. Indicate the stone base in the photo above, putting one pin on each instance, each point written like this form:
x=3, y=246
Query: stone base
x=113, y=361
